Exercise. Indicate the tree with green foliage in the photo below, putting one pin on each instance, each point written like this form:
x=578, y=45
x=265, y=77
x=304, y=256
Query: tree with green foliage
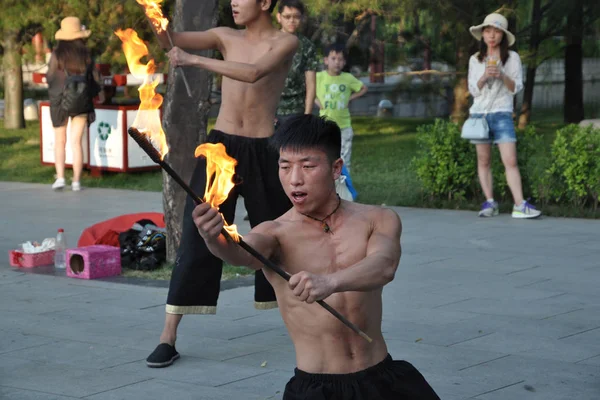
x=582, y=17
x=459, y=15
x=17, y=26
x=547, y=20
x=427, y=21
x=22, y=20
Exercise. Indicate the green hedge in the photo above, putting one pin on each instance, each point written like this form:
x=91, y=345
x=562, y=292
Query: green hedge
x=576, y=166
x=565, y=173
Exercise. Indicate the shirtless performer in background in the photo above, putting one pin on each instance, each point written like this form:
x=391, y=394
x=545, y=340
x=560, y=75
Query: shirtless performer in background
x=255, y=65
x=337, y=250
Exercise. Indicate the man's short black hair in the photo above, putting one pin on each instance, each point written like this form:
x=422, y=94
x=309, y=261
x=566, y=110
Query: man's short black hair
x=336, y=48
x=309, y=131
x=297, y=4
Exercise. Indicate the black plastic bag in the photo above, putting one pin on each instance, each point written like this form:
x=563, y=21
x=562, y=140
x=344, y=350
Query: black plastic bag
x=143, y=247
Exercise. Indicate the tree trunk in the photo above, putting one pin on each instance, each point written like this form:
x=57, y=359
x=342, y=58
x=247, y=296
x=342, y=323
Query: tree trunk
x=423, y=41
x=426, y=55
x=185, y=119
x=376, y=54
x=13, y=81
x=525, y=115
x=573, y=100
x=460, y=106
x=534, y=43
x=362, y=21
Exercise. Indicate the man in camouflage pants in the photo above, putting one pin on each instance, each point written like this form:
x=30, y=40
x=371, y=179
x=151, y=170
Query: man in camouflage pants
x=298, y=96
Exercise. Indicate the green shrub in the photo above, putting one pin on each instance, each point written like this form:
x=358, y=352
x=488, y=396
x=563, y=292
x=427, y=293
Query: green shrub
x=445, y=163
x=576, y=165
x=534, y=162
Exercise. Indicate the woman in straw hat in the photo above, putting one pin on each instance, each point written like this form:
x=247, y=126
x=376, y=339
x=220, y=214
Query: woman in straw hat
x=495, y=77
x=72, y=57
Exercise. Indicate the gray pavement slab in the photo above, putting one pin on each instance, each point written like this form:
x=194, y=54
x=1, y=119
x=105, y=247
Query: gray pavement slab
x=14, y=393
x=552, y=379
x=488, y=309
x=195, y=370
x=58, y=379
x=165, y=389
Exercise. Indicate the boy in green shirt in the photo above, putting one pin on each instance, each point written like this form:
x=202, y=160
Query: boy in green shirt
x=335, y=90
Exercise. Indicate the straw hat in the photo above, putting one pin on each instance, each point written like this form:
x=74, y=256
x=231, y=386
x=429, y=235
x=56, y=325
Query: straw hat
x=71, y=29
x=497, y=21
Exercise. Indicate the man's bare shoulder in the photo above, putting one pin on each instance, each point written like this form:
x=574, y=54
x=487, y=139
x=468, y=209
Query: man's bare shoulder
x=265, y=228
x=273, y=227
x=225, y=32
x=372, y=214
x=280, y=225
x=279, y=34
x=285, y=39
x=361, y=208
x=284, y=219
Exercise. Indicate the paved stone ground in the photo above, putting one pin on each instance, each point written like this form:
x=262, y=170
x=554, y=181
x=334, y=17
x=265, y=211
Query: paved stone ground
x=487, y=309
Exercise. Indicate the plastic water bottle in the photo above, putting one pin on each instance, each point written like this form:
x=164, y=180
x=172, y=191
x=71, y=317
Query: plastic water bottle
x=60, y=250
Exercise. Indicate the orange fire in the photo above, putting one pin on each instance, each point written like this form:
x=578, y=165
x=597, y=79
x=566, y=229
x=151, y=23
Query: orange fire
x=147, y=119
x=220, y=169
x=154, y=13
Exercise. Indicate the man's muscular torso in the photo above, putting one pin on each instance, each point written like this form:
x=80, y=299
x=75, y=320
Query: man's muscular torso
x=323, y=344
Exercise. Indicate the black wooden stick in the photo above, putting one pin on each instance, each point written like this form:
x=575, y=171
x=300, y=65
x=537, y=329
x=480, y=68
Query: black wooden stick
x=141, y=139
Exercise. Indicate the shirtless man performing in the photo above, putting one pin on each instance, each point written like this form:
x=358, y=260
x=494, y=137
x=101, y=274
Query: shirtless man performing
x=336, y=250
x=255, y=66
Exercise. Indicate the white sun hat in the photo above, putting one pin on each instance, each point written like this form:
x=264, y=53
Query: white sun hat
x=497, y=21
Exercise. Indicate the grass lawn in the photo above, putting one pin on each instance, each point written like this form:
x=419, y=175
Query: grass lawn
x=382, y=153
x=164, y=273
x=381, y=156
x=21, y=163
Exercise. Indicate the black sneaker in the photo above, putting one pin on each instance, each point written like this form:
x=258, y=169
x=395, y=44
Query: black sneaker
x=163, y=356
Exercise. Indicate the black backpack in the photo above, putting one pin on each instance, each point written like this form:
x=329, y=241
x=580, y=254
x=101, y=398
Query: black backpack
x=78, y=93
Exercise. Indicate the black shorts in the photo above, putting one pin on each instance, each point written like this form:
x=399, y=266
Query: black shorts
x=196, y=277
x=388, y=380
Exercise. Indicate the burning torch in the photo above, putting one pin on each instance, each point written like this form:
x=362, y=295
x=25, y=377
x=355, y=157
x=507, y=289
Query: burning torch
x=160, y=23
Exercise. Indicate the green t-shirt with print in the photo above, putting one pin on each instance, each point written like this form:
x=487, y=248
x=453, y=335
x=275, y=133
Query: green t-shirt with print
x=334, y=94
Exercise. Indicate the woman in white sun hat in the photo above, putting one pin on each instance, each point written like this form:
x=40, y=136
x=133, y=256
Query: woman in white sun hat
x=70, y=57
x=495, y=77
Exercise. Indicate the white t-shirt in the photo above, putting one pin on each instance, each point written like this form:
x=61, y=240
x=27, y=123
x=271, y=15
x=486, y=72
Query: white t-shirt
x=498, y=95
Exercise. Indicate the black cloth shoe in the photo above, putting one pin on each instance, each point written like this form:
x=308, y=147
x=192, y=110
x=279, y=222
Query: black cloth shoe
x=163, y=356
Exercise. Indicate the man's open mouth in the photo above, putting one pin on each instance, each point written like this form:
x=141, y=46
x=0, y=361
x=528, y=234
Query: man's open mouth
x=298, y=196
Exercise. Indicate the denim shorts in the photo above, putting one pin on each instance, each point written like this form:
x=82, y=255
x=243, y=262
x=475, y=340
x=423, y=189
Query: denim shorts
x=502, y=128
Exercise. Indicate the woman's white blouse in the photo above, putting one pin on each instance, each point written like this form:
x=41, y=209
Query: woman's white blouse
x=497, y=98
